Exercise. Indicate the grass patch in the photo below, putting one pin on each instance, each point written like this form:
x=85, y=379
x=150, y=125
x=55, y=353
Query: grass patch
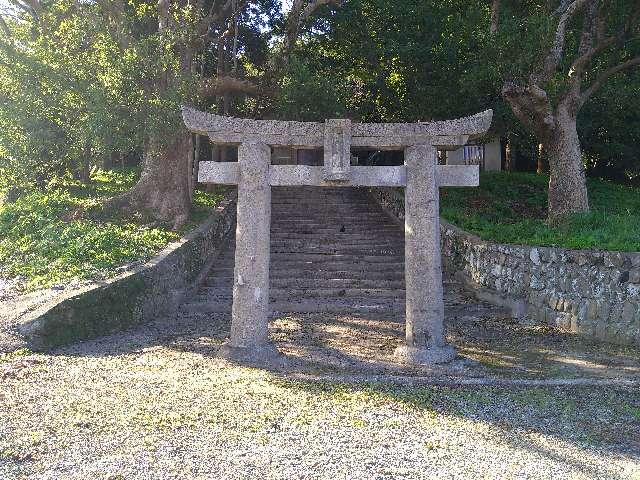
x=511, y=208
x=634, y=412
x=61, y=234
x=10, y=356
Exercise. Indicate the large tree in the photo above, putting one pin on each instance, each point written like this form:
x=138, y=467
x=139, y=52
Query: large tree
x=139, y=61
x=184, y=31
x=589, y=41
x=377, y=60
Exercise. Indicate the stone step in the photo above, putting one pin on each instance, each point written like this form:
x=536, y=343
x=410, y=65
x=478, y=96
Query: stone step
x=332, y=242
x=311, y=200
x=356, y=252
x=297, y=211
x=319, y=205
x=316, y=267
x=311, y=283
x=338, y=221
x=296, y=292
x=346, y=216
x=351, y=238
x=353, y=306
x=278, y=249
x=283, y=258
x=332, y=266
x=334, y=250
x=278, y=273
x=355, y=256
x=332, y=229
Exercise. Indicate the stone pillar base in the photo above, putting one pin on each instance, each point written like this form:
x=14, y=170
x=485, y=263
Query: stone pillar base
x=257, y=354
x=424, y=355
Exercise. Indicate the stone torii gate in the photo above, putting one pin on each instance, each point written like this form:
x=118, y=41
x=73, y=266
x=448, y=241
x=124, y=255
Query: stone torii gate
x=421, y=177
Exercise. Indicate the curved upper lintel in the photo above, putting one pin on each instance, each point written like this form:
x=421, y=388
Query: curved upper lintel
x=221, y=129
x=472, y=126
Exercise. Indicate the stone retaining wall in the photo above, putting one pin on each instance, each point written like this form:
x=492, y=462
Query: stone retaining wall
x=589, y=292
x=153, y=290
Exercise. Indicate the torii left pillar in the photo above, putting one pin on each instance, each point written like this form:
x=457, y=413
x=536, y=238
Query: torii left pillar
x=249, y=339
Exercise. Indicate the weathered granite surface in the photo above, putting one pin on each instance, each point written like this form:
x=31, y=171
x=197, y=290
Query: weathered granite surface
x=588, y=292
x=448, y=133
x=421, y=175
x=249, y=339
x=228, y=173
x=425, y=342
x=152, y=290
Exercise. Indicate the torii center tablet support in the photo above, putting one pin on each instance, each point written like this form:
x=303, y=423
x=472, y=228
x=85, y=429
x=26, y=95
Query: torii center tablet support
x=420, y=175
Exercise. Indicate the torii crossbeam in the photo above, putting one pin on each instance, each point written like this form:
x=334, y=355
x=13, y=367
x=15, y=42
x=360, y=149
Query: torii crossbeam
x=421, y=177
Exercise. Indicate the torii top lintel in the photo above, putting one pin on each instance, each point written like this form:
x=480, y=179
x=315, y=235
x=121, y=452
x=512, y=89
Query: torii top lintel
x=443, y=134
x=337, y=137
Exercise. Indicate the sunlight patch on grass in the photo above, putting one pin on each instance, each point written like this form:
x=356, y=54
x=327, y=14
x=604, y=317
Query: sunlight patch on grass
x=62, y=234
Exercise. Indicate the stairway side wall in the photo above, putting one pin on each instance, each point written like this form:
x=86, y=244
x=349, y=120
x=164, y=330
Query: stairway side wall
x=588, y=292
x=149, y=292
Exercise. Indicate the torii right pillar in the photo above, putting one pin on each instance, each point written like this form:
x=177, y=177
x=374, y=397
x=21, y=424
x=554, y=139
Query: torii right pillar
x=425, y=342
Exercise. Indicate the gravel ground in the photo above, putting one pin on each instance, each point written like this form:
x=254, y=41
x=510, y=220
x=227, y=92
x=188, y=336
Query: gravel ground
x=155, y=403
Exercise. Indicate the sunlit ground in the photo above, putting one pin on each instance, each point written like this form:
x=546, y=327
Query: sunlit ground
x=155, y=402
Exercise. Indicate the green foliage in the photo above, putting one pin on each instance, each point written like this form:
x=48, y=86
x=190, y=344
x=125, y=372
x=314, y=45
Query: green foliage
x=377, y=60
x=510, y=208
x=74, y=91
x=62, y=234
x=609, y=128
x=308, y=95
x=392, y=61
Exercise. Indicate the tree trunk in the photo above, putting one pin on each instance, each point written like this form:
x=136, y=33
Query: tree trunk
x=557, y=130
x=509, y=155
x=495, y=16
x=567, y=182
x=163, y=189
x=85, y=166
x=542, y=166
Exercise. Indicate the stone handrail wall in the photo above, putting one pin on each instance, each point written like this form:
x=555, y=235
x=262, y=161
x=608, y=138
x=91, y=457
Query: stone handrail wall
x=589, y=292
x=143, y=294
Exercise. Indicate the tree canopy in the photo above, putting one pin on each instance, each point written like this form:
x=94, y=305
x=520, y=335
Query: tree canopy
x=84, y=83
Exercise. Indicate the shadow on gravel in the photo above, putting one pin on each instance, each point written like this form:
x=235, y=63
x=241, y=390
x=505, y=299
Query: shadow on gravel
x=533, y=419
x=489, y=344
x=596, y=420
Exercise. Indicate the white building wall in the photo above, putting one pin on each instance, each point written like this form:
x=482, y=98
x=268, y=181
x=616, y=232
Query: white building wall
x=492, y=156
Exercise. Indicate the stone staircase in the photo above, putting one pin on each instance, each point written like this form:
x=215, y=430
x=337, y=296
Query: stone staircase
x=333, y=250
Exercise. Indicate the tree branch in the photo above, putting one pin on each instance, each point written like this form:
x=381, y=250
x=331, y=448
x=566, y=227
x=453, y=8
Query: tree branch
x=531, y=105
x=566, y=12
x=607, y=74
x=214, y=15
x=301, y=10
x=32, y=7
x=495, y=17
x=5, y=28
x=602, y=42
x=164, y=15
x=226, y=84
